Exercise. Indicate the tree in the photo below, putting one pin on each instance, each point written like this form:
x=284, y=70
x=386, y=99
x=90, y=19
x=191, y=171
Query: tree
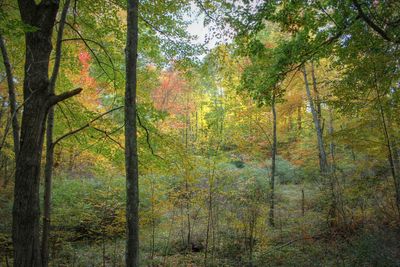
x=11, y=96
x=262, y=81
x=48, y=171
x=131, y=156
x=323, y=163
x=38, y=99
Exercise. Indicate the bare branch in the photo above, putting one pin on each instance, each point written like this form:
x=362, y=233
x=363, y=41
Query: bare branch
x=85, y=126
x=202, y=7
x=108, y=135
x=147, y=137
x=85, y=41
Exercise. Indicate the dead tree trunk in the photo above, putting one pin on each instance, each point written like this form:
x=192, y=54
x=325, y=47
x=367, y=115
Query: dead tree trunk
x=131, y=156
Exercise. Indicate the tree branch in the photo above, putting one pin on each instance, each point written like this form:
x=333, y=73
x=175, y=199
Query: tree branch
x=108, y=135
x=60, y=33
x=85, y=126
x=84, y=40
x=147, y=137
x=372, y=24
x=54, y=99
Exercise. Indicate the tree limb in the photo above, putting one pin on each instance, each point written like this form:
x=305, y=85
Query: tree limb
x=108, y=135
x=84, y=40
x=85, y=126
x=54, y=99
x=58, y=50
x=372, y=24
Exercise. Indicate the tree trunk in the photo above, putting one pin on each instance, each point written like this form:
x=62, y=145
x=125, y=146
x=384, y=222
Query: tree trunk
x=153, y=222
x=131, y=156
x=11, y=96
x=26, y=212
x=333, y=179
x=303, y=209
x=2, y=106
x=189, y=233
x=6, y=178
x=48, y=172
x=323, y=164
x=299, y=118
x=390, y=154
x=210, y=212
x=332, y=144
x=317, y=101
x=37, y=101
x=48, y=169
x=273, y=165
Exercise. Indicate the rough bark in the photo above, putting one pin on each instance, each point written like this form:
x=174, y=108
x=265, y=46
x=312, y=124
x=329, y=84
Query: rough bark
x=131, y=156
x=273, y=165
x=26, y=210
x=323, y=164
x=12, y=96
x=37, y=101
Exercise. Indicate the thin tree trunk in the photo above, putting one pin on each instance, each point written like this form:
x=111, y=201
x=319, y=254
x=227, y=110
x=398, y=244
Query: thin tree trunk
x=131, y=156
x=332, y=144
x=6, y=178
x=153, y=222
x=197, y=126
x=299, y=118
x=2, y=107
x=333, y=179
x=210, y=212
x=48, y=170
x=390, y=154
x=71, y=159
x=273, y=165
x=187, y=123
x=12, y=97
x=322, y=154
x=166, y=249
x=317, y=99
x=303, y=209
x=189, y=234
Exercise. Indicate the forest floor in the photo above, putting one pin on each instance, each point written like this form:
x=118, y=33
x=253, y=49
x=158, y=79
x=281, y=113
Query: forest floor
x=88, y=229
